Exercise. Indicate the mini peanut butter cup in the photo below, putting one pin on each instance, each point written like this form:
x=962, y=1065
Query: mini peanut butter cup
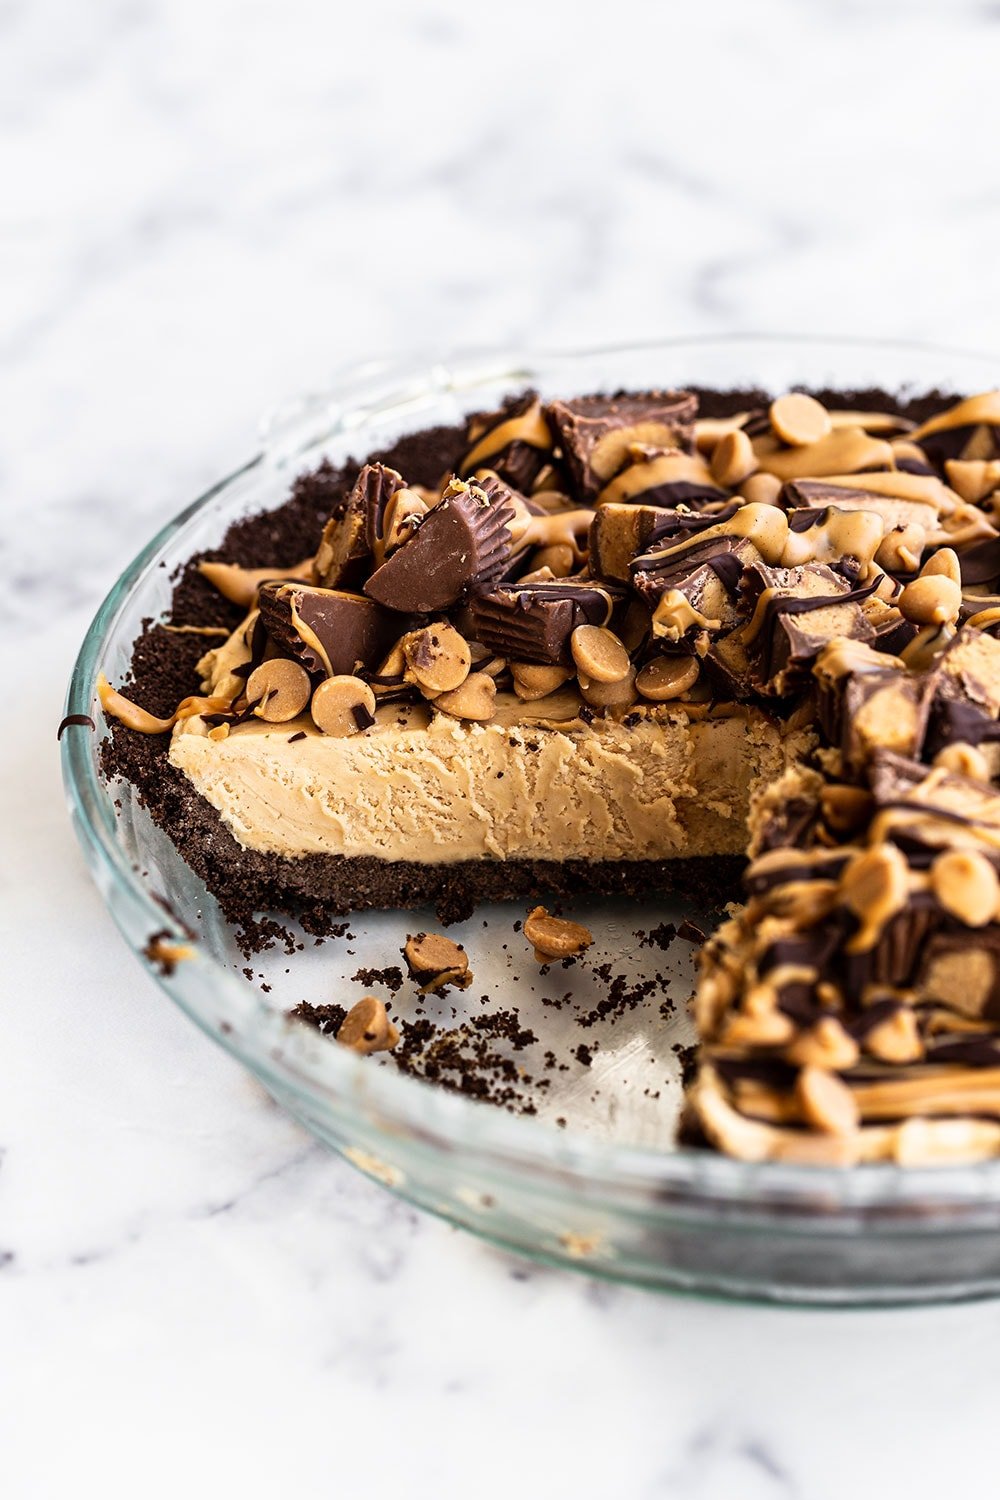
x=328, y=631
x=351, y=535
x=533, y=622
x=461, y=546
x=596, y=432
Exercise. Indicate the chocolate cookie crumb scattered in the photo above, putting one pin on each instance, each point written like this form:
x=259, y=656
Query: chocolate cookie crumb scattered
x=325, y=1018
x=391, y=977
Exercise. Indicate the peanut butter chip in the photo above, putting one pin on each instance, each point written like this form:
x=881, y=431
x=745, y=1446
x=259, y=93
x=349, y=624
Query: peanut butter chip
x=824, y=1045
x=799, y=419
x=437, y=658
x=435, y=959
x=761, y=489
x=931, y=599
x=367, y=1028
x=474, y=699
x=667, y=677
x=826, y=1102
x=342, y=706
x=533, y=680
x=874, y=886
x=945, y=563
x=966, y=885
x=966, y=760
x=599, y=654
x=733, y=460
x=608, y=694
x=278, y=690
x=554, y=937
x=897, y=1039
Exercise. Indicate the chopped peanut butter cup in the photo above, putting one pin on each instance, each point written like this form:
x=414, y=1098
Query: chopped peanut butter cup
x=460, y=546
x=597, y=432
x=326, y=630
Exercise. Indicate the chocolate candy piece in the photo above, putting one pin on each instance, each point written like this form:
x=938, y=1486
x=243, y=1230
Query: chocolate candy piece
x=533, y=622
x=327, y=630
x=895, y=510
x=515, y=442
x=596, y=432
x=355, y=528
x=619, y=533
x=688, y=564
x=966, y=684
x=663, y=477
x=980, y=563
x=796, y=612
x=970, y=431
x=461, y=546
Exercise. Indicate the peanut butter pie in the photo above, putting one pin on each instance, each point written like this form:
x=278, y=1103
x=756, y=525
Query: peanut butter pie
x=619, y=644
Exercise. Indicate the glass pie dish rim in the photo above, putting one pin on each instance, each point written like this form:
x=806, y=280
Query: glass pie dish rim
x=331, y=1082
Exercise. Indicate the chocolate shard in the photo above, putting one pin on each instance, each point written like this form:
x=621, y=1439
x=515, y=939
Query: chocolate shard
x=328, y=630
x=596, y=433
x=533, y=622
x=458, y=549
x=354, y=529
x=794, y=613
x=515, y=442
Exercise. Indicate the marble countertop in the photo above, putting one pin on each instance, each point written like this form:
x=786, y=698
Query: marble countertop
x=206, y=209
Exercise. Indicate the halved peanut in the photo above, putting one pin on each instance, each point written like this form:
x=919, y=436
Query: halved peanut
x=533, y=680
x=475, y=698
x=966, y=885
x=931, y=599
x=826, y=1102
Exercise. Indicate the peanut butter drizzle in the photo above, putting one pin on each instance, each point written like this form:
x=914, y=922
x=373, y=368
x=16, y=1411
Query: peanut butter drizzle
x=222, y=630
x=561, y=528
x=846, y=450
x=974, y=411
x=672, y=467
x=240, y=585
x=530, y=427
x=116, y=706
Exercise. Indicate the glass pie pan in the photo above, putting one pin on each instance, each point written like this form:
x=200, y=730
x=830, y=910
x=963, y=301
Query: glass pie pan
x=592, y=1179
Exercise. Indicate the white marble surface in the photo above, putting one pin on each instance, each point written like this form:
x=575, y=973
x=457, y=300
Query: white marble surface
x=203, y=209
